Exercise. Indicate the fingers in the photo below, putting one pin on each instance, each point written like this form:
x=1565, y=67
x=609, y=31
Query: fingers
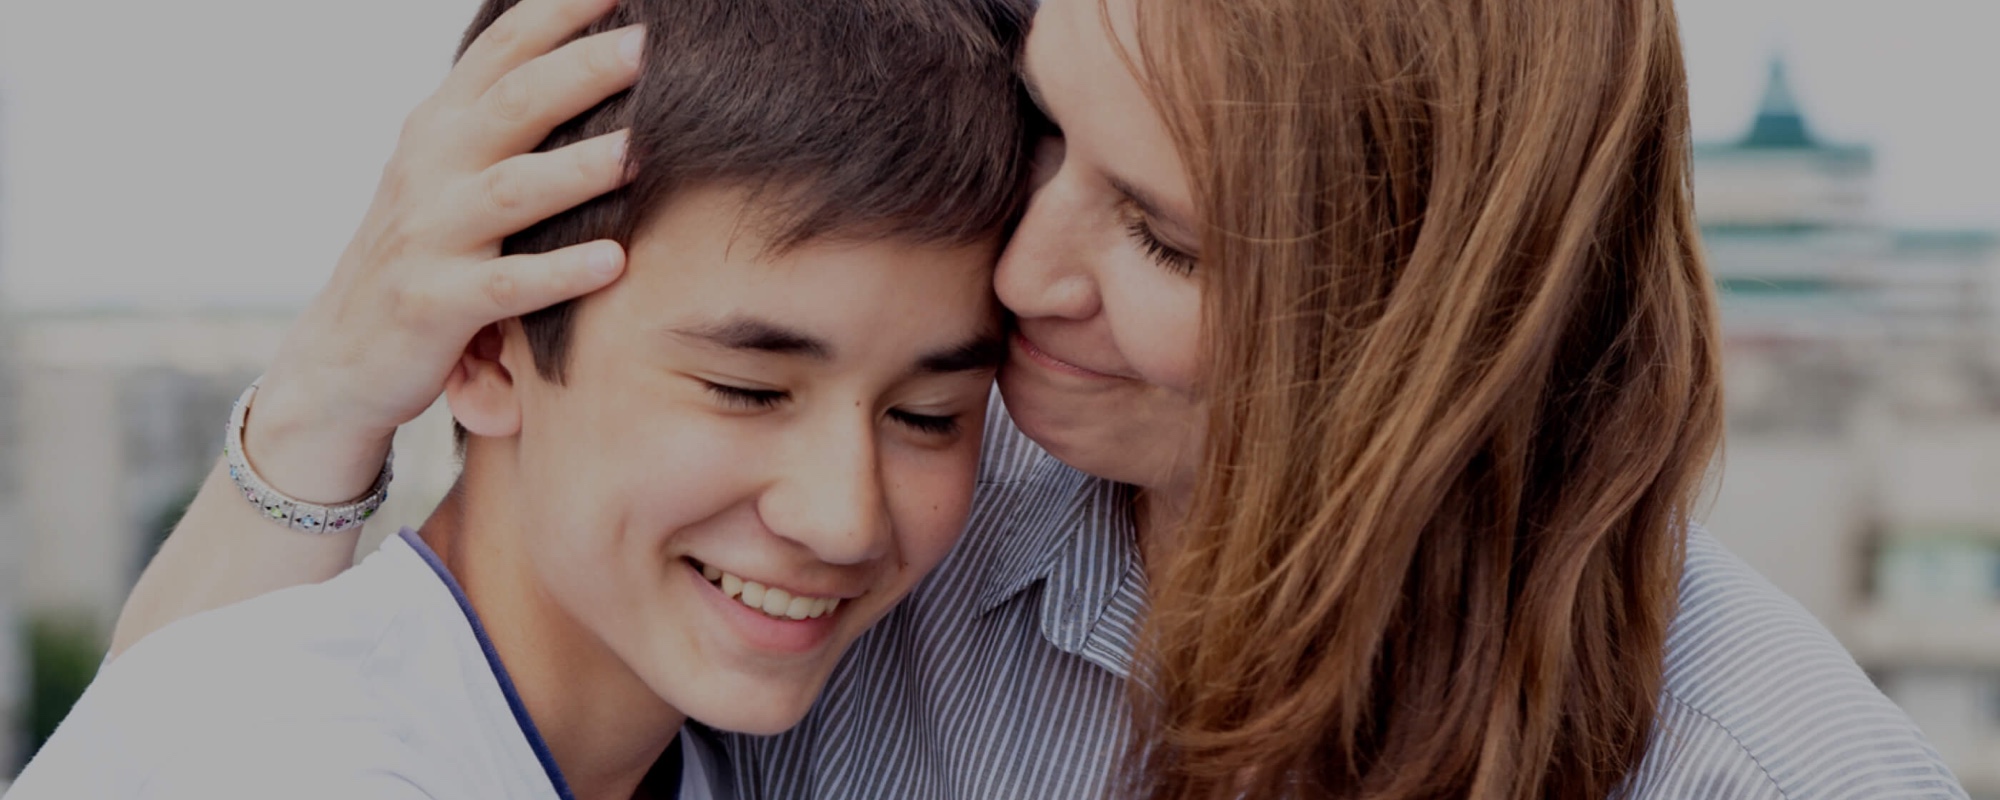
x=521, y=191
x=524, y=105
x=515, y=285
x=529, y=29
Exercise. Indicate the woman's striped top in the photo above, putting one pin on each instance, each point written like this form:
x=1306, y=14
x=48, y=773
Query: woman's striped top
x=1004, y=674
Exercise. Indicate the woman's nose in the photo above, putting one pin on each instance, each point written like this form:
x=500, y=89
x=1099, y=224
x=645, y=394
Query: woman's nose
x=1045, y=270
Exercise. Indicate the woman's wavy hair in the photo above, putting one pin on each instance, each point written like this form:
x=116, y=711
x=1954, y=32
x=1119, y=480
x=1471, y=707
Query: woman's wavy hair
x=1464, y=386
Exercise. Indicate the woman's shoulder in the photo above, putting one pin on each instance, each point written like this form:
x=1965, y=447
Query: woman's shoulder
x=1762, y=701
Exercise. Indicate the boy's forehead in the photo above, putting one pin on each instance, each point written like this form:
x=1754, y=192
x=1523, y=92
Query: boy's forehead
x=706, y=263
x=750, y=225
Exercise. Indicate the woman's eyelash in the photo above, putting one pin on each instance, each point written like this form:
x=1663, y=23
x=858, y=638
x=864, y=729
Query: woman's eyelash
x=745, y=398
x=1164, y=254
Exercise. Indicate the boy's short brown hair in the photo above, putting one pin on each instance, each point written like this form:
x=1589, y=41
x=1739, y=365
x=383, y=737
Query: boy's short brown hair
x=846, y=118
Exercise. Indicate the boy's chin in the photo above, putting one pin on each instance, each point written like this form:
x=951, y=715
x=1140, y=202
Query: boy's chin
x=740, y=704
x=757, y=717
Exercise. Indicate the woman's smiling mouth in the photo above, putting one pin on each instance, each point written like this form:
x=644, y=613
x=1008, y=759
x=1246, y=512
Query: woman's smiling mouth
x=1038, y=355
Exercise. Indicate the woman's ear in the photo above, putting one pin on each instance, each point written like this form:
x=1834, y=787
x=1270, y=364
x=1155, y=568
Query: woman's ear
x=481, y=390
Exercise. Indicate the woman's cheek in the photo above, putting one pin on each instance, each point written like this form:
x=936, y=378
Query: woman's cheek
x=1160, y=332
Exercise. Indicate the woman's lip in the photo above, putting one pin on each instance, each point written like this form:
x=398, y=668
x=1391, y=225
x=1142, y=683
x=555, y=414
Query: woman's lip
x=762, y=631
x=1040, y=356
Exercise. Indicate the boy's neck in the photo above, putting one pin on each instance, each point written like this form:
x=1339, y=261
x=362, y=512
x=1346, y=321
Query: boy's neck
x=604, y=726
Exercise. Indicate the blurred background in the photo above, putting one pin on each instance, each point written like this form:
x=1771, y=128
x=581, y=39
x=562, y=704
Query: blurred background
x=176, y=179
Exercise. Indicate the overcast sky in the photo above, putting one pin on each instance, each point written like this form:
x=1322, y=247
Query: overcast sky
x=219, y=152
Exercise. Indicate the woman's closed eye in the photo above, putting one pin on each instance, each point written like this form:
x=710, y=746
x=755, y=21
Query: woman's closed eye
x=1179, y=261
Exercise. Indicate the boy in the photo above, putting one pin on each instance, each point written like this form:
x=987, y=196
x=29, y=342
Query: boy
x=684, y=496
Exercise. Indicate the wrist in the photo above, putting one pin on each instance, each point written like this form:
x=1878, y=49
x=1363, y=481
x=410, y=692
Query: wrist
x=308, y=452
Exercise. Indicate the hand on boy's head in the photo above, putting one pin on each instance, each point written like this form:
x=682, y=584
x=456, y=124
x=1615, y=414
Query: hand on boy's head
x=424, y=273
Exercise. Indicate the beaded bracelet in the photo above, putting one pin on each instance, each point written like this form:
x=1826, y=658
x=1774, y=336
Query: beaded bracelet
x=298, y=515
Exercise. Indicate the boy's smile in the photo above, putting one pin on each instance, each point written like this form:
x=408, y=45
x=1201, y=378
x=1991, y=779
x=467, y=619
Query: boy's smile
x=767, y=616
x=751, y=456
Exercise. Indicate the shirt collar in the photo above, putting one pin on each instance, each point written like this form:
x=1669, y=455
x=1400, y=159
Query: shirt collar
x=1071, y=535
x=500, y=674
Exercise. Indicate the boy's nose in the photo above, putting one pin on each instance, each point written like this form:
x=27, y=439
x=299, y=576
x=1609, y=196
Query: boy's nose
x=828, y=497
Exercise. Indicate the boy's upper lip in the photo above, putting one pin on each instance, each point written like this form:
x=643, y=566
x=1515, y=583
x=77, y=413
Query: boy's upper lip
x=795, y=589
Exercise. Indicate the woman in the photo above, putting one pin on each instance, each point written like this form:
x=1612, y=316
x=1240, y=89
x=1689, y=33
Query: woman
x=1370, y=369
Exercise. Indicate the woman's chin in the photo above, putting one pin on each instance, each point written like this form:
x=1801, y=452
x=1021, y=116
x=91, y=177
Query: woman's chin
x=1097, y=434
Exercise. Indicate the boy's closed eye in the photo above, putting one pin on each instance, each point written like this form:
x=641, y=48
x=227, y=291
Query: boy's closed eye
x=765, y=399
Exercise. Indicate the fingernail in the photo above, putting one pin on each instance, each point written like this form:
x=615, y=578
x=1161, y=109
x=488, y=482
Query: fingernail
x=603, y=261
x=632, y=45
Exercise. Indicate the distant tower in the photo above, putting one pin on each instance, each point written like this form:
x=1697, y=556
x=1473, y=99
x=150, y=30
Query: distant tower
x=1848, y=303
x=1780, y=124
x=1780, y=174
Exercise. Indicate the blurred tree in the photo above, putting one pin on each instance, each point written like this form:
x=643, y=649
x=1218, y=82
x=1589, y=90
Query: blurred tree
x=64, y=651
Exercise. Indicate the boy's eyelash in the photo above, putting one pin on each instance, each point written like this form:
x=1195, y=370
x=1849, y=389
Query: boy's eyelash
x=762, y=399
x=1164, y=254
x=924, y=423
x=745, y=398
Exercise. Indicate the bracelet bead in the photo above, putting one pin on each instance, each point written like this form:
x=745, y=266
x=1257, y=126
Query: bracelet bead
x=282, y=509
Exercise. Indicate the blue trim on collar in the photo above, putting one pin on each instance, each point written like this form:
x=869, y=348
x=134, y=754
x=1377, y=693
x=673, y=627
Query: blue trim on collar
x=514, y=703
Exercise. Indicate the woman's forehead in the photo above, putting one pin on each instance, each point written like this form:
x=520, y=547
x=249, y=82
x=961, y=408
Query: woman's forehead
x=1084, y=75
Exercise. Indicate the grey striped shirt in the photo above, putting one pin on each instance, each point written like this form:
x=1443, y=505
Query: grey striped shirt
x=1004, y=673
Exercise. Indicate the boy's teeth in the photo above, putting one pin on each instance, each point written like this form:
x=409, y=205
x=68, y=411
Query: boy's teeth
x=775, y=602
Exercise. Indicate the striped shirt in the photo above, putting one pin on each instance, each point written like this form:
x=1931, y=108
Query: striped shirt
x=1004, y=674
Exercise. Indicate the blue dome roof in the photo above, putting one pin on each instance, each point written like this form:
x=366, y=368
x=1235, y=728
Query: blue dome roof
x=1780, y=124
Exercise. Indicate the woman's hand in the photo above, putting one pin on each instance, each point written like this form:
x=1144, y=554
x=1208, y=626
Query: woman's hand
x=423, y=274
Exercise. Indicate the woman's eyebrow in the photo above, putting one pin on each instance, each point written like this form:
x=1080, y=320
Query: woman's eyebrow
x=1152, y=207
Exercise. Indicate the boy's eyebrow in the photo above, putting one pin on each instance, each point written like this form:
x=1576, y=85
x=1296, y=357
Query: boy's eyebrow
x=750, y=333
x=986, y=350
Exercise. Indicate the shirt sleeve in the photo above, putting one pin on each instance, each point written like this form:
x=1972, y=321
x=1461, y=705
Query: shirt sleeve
x=322, y=760
x=252, y=782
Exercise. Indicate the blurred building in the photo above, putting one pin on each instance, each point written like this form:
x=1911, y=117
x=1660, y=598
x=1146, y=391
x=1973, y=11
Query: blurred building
x=13, y=674
x=121, y=414
x=1863, y=465
x=116, y=417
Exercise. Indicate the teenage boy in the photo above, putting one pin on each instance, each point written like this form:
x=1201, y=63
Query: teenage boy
x=683, y=496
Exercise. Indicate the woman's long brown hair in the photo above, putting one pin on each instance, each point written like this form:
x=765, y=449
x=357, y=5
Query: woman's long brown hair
x=1464, y=391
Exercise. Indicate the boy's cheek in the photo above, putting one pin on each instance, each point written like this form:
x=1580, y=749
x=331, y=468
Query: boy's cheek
x=931, y=503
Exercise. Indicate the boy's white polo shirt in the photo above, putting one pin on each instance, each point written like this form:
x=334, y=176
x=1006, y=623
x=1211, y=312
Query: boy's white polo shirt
x=380, y=683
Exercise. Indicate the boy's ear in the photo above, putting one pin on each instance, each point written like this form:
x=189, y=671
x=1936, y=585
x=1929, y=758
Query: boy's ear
x=481, y=389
